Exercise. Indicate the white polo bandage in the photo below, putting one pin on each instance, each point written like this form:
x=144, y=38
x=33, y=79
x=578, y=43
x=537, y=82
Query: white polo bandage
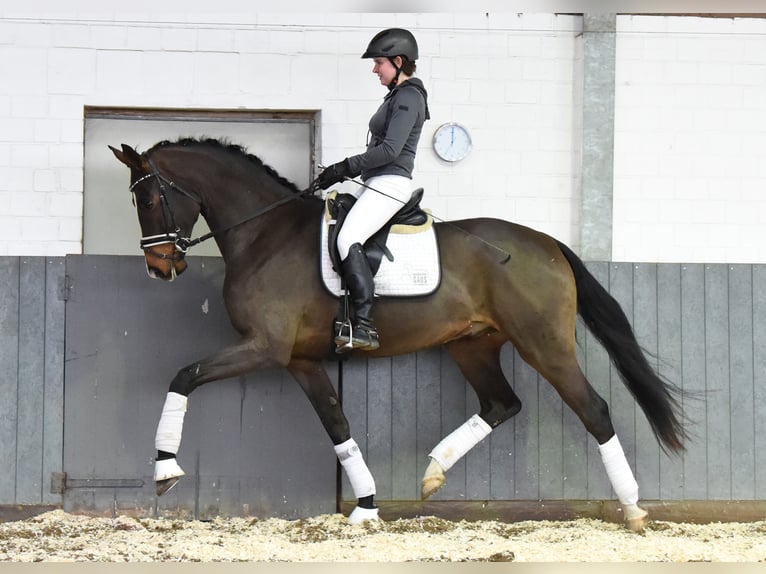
x=619, y=472
x=455, y=446
x=170, y=427
x=359, y=475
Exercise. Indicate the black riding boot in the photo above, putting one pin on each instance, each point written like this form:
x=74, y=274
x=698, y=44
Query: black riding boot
x=359, y=282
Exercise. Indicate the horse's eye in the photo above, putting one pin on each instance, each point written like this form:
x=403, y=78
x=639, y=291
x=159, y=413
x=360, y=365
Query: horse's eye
x=146, y=203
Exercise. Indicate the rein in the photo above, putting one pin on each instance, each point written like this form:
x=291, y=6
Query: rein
x=182, y=244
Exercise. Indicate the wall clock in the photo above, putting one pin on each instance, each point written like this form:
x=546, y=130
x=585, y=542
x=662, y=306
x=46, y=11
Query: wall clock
x=452, y=142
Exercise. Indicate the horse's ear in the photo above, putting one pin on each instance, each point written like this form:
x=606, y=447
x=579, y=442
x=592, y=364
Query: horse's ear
x=128, y=156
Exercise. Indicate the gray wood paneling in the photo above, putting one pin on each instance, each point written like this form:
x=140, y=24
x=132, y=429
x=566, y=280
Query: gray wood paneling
x=31, y=378
x=704, y=328
x=251, y=445
x=759, y=380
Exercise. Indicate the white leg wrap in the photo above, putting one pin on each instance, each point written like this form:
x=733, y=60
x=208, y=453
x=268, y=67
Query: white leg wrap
x=455, y=446
x=168, y=437
x=359, y=475
x=619, y=472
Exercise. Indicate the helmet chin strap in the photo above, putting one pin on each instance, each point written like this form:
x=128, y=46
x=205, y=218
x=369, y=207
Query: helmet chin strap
x=392, y=83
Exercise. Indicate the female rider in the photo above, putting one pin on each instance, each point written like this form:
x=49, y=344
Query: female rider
x=386, y=170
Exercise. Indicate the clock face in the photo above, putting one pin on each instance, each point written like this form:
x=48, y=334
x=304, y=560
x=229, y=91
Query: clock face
x=452, y=142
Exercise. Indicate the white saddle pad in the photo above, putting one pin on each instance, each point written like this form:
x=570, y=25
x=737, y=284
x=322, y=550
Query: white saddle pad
x=415, y=269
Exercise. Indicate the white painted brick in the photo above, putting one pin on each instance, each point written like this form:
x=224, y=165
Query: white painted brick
x=21, y=203
x=10, y=226
x=45, y=180
x=70, y=71
x=65, y=155
x=108, y=36
x=15, y=178
x=64, y=204
x=39, y=228
x=211, y=40
x=29, y=155
x=26, y=67
x=264, y=73
x=715, y=73
x=71, y=36
x=70, y=229
x=215, y=73
x=119, y=72
x=70, y=178
x=473, y=68
x=47, y=130
x=145, y=37
x=165, y=73
x=486, y=92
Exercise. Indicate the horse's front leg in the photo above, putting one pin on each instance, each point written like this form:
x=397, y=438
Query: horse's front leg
x=313, y=379
x=243, y=357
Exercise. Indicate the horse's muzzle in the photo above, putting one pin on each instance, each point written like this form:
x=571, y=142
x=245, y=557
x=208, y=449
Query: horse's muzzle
x=164, y=261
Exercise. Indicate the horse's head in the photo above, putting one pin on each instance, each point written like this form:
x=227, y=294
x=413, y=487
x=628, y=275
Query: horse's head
x=166, y=214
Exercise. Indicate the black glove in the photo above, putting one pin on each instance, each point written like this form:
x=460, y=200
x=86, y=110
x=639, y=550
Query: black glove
x=333, y=174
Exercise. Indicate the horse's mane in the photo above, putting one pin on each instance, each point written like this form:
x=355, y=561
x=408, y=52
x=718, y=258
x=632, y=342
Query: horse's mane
x=234, y=149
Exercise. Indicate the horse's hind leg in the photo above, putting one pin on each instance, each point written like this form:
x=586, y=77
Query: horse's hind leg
x=479, y=361
x=563, y=372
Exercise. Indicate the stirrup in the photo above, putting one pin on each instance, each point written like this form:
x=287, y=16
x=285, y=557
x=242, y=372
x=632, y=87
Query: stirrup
x=349, y=337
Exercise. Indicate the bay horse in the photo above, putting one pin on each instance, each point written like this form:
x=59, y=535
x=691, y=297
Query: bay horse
x=268, y=233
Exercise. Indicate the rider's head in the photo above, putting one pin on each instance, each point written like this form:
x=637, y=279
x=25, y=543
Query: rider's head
x=394, y=46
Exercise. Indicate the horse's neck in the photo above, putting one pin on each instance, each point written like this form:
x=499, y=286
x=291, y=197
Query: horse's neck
x=239, y=213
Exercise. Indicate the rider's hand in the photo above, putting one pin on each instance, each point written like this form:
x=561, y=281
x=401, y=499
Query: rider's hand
x=336, y=173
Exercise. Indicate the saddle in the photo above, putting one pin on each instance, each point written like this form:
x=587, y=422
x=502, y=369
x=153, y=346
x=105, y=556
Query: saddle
x=410, y=215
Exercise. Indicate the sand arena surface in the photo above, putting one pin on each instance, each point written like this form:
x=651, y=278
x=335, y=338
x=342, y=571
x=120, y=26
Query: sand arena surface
x=61, y=537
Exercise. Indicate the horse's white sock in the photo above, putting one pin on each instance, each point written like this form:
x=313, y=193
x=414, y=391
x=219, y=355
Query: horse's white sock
x=454, y=446
x=619, y=472
x=170, y=427
x=359, y=475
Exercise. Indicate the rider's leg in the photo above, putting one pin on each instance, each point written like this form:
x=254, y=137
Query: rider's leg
x=373, y=209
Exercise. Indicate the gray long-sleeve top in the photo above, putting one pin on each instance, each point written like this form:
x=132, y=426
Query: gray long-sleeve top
x=394, y=133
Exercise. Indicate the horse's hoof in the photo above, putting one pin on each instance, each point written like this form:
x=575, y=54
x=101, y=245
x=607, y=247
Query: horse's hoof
x=432, y=481
x=164, y=485
x=359, y=515
x=636, y=518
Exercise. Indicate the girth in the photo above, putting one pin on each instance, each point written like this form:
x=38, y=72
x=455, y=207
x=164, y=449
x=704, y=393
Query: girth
x=375, y=247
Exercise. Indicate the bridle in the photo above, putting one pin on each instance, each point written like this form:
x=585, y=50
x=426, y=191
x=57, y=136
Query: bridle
x=182, y=244
x=147, y=242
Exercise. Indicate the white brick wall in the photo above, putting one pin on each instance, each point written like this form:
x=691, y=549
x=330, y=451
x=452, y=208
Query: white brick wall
x=690, y=142
x=690, y=117
x=508, y=77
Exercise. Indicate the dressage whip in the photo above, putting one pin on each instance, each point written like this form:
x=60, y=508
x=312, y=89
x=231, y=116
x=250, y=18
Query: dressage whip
x=507, y=255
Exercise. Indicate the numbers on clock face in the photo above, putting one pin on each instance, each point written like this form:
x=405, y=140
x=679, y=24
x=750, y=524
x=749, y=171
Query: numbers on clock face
x=452, y=142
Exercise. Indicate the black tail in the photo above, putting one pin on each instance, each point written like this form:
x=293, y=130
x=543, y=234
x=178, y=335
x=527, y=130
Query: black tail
x=605, y=318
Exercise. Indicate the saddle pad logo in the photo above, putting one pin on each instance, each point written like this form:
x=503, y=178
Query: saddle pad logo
x=414, y=271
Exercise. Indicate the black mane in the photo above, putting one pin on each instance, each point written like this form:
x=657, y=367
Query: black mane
x=231, y=148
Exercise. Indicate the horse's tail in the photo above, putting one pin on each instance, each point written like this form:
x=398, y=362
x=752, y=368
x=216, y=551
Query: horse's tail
x=607, y=321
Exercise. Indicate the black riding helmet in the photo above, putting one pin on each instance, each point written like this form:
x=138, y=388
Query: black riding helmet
x=391, y=43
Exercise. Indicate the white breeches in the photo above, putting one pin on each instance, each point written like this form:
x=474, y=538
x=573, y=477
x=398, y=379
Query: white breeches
x=372, y=209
